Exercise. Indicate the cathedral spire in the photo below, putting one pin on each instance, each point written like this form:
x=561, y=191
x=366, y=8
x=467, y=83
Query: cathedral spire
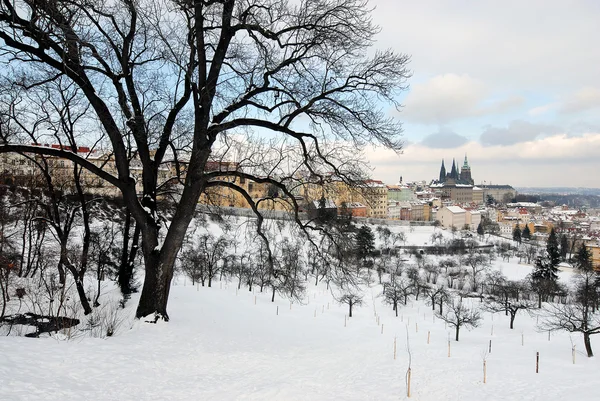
x=453, y=172
x=466, y=163
x=443, y=172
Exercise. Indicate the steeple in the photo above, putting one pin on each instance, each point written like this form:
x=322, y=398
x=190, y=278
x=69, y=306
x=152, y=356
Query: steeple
x=453, y=172
x=466, y=163
x=443, y=172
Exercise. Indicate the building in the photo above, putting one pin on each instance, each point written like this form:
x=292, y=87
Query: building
x=459, y=193
x=478, y=198
x=452, y=216
x=595, y=251
x=456, y=176
x=472, y=219
x=499, y=193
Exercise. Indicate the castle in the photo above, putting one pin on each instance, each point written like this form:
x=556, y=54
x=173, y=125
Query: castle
x=454, y=176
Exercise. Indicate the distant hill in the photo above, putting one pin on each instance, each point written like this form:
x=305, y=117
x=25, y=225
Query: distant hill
x=558, y=190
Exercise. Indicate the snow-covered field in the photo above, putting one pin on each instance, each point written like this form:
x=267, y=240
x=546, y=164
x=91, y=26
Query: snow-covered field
x=224, y=344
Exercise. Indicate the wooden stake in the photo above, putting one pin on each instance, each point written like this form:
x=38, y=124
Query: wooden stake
x=484, y=372
x=255, y=300
x=573, y=351
x=381, y=328
x=548, y=335
x=537, y=362
x=448, y=348
x=394, y=348
x=416, y=327
x=277, y=310
x=408, y=384
x=490, y=348
x=428, y=336
x=492, y=329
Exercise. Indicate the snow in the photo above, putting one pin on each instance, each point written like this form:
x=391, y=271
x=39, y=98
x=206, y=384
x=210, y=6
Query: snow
x=220, y=345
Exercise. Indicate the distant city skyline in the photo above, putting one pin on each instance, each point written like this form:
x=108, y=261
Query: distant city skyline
x=515, y=85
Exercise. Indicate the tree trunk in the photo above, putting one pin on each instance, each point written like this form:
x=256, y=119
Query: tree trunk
x=588, y=345
x=350, y=307
x=457, y=331
x=87, y=309
x=512, y=318
x=273, y=295
x=155, y=292
x=396, y=308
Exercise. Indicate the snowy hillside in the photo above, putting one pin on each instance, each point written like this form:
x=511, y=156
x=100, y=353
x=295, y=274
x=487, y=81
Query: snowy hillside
x=229, y=344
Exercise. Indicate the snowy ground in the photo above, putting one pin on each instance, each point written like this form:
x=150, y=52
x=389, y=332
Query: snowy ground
x=221, y=346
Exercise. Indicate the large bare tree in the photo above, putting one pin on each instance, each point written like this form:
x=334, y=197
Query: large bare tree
x=164, y=78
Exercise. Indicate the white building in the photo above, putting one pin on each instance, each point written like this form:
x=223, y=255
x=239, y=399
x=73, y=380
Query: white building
x=473, y=218
x=452, y=216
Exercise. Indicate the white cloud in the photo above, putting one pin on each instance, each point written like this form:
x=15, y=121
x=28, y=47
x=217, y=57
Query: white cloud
x=444, y=139
x=584, y=99
x=537, y=44
x=448, y=97
x=558, y=160
x=517, y=131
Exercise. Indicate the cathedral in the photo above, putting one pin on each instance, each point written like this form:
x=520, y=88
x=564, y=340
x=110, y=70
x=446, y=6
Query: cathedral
x=454, y=176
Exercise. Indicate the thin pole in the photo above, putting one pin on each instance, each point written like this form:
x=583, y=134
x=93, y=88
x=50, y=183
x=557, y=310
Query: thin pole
x=484, y=371
x=537, y=362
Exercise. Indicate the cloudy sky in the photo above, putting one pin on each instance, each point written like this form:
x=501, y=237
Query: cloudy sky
x=513, y=84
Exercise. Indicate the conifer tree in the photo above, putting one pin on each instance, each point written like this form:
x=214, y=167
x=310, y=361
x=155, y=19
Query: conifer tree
x=583, y=259
x=365, y=242
x=553, y=249
x=564, y=246
x=526, y=234
x=480, y=231
x=517, y=233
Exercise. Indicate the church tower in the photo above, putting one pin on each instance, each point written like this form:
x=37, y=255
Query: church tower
x=442, y=172
x=465, y=172
x=453, y=172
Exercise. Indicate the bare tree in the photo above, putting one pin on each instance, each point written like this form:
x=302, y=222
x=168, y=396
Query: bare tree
x=507, y=298
x=437, y=295
x=169, y=81
x=351, y=299
x=477, y=264
x=579, y=316
x=458, y=315
x=396, y=290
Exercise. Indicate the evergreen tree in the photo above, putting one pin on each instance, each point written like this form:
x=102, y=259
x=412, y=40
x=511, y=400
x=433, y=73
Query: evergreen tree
x=564, y=246
x=517, y=233
x=365, y=242
x=553, y=249
x=480, y=231
x=583, y=259
x=526, y=234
